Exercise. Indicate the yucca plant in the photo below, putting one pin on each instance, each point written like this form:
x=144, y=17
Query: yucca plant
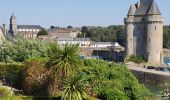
x=74, y=89
x=63, y=60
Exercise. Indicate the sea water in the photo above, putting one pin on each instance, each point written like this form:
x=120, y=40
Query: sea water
x=167, y=61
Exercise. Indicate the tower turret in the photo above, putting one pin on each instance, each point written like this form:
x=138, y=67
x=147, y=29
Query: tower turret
x=144, y=32
x=154, y=21
x=129, y=30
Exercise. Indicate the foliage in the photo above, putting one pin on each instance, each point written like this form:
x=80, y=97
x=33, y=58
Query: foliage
x=48, y=65
x=136, y=59
x=112, y=81
x=18, y=50
x=5, y=92
x=166, y=37
x=32, y=98
x=64, y=60
x=69, y=27
x=35, y=78
x=105, y=34
x=43, y=32
x=74, y=89
x=11, y=72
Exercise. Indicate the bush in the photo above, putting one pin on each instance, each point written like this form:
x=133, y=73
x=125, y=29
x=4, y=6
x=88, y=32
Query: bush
x=11, y=72
x=35, y=78
x=136, y=59
x=18, y=50
x=112, y=81
x=5, y=92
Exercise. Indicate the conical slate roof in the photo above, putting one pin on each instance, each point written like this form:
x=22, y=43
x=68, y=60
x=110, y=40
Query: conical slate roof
x=153, y=9
x=132, y=10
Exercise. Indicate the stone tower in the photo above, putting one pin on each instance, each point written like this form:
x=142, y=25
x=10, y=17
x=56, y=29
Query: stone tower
x=144, y=32
x=13, y=25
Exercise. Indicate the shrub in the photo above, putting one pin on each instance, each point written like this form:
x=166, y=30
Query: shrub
x=35, y=78
x=136, y=59
x=5, y=92
x=112, y=81
x=11, y=72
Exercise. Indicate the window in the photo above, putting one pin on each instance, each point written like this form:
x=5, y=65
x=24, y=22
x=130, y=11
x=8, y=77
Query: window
x=155, y=27
x=20, y=30
x=149, y=39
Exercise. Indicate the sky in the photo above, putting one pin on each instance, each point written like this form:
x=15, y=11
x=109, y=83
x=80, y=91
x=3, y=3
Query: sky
x=76, y=13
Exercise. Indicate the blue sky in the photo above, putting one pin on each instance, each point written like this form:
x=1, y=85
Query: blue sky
x=72, y=12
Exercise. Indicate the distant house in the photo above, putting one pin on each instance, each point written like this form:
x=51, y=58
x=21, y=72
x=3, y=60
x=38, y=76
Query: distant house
x=104, y=44
x=63, y=32
x=29, y=31
x=82, y=42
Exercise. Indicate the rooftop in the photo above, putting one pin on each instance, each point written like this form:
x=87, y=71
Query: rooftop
x=29, y=27
x=145, y=7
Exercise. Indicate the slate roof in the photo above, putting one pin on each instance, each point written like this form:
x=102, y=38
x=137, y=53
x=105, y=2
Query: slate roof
x=132, y=10
x=153, y=9
x=146, y=7
x=73, y=39
x=29, y=27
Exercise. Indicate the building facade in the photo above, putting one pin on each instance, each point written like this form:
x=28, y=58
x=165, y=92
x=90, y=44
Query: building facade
x=63, y=32
x=26, y=31
x=144, y=32
x=82, y=42
x=29, y=31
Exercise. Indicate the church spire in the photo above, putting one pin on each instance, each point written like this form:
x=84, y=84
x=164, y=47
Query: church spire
x=153, y=9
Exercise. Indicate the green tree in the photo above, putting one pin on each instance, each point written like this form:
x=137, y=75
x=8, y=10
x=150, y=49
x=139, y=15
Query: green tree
x=69, y=27
x=19, y=49
x=166, y=37
x=43, y=32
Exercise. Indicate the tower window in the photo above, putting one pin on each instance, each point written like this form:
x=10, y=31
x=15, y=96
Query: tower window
x=149, y=39
x=155, y=27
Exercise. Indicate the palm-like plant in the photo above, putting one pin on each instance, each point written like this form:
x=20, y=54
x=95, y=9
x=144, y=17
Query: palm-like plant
x=74, y=89
x=63, y=60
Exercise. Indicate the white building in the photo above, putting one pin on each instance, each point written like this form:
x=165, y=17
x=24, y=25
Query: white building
x=28, y=31
x=82, y=42
x=104, y=44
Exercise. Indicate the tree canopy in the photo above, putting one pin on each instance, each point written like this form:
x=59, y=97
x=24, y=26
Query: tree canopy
x=43, y=32
x=104, y=34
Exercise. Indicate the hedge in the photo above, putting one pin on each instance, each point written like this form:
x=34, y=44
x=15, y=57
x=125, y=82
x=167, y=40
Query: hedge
x=10, y=74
